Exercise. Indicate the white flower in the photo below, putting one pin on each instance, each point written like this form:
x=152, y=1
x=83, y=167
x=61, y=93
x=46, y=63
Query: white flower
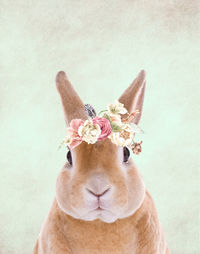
x=119, y=140
x=67, y=140
x=116, y=108
x=124, y=137
x=89, y=131
x=116, y=119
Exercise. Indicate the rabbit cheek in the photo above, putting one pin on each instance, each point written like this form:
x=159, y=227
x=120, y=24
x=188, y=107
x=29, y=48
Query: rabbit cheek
x=69, y=194
x=76, y=196
x=120, y=195
x=62, y=191
x=120, y=199
x=136, y=189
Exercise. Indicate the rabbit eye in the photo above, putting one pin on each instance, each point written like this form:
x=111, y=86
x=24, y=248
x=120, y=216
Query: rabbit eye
x=126, y=154
x=69, y=157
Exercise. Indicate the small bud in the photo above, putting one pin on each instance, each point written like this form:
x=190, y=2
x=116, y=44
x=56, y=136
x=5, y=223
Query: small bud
x=137, y=148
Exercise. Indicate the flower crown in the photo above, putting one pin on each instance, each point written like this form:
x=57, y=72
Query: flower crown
x=120, y=131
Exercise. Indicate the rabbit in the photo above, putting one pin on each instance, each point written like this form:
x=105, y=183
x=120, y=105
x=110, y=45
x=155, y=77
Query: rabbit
x=126, y=221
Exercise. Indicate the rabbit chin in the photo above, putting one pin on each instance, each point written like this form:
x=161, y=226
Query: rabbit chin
x=103, y=215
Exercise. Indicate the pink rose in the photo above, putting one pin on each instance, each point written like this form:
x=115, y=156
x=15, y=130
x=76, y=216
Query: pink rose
x=105, y=127
x=73, y=130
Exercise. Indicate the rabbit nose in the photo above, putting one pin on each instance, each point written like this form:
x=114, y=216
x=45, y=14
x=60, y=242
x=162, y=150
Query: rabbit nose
x=98, y=195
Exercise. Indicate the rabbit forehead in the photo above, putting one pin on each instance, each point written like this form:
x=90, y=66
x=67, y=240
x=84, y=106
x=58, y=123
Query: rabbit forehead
x=101, y=154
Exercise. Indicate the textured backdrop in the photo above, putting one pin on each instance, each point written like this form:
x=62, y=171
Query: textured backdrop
x=101, y=45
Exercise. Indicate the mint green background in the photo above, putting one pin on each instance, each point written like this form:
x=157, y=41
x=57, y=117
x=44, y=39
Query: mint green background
x=101, y=45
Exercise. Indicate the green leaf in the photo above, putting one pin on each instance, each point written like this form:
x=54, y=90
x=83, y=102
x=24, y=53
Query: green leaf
x=115, y=127
x=102, y=111
x=107, y=117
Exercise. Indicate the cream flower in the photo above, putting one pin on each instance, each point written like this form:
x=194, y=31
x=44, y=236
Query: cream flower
x=67, y=140
x=119, y=140
x=116, y=108
x=116, y=119
x=89, y=132
x=124, y=137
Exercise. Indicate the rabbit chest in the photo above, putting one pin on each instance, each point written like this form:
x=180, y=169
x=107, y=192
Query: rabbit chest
x=102, y=238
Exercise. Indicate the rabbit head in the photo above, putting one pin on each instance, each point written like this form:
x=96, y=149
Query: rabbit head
x=99, y=181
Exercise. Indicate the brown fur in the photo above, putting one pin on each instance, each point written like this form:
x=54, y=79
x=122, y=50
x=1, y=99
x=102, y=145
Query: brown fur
x=131, y=225
x=139, y=234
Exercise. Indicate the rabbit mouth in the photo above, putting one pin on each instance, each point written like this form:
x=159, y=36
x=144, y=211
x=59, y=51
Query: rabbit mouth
x=99, y=209
x=100, y=213
x=103, y=215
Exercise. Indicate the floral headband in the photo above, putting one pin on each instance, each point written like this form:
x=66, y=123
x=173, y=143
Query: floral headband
x=120, y=131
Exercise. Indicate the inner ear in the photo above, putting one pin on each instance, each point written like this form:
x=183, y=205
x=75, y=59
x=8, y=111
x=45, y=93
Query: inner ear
x=133, y=96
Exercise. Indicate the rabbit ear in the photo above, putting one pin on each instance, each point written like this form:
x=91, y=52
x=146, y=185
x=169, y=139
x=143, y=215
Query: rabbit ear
x=72, y=104
x=133, y=96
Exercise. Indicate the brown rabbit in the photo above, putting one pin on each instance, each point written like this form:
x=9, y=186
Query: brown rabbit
x=101, y=204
